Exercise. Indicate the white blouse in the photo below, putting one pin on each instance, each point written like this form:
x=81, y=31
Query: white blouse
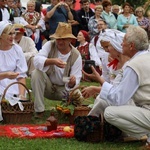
x=12, y=60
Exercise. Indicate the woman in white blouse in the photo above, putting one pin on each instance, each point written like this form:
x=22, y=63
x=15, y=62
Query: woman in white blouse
x=11, y=60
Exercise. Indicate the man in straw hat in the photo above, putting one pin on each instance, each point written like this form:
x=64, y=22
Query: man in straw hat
x=57, y=59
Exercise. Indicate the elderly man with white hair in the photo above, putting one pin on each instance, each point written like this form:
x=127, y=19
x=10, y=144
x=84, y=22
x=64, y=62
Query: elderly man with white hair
x=133, y=119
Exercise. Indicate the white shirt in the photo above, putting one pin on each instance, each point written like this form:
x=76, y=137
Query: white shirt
x=40, y=58
x=5, y=14
x=12, y=60
x=28, y=47
x=98, y=46
x=122, y=93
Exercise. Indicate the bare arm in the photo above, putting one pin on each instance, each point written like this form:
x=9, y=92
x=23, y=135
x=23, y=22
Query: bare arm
x=21, y=88
x=90, y=91
x=50, y=13
x=55, y=61
x=9, y=75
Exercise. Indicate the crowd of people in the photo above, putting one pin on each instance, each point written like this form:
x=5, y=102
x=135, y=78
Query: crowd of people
x=50, y=45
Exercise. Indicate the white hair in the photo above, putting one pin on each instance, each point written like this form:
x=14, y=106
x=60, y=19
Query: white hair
x=138, y=36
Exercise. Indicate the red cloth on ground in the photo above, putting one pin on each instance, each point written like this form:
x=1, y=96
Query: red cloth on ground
x=35, y=131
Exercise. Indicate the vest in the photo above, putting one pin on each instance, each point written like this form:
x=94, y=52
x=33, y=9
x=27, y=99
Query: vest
x=84, y=51
x=141, y=65
x=70, y=61
x=11, y=16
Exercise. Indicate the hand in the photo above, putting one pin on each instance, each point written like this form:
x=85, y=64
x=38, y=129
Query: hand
x=33, y=28
x=60, y=4
x=11, y=75
x=59, y=63
x=126, y=25
x=72, y=81
x=94, y=76
x=88, y=92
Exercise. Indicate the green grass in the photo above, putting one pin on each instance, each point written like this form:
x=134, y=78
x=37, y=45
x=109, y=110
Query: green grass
x=60, y=143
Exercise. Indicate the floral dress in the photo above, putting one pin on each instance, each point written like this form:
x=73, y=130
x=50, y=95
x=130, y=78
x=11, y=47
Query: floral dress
x=145, y=22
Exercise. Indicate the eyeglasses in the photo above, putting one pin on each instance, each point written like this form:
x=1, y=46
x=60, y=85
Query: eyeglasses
x=138, y=11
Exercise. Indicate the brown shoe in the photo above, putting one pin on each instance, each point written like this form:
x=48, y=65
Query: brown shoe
x=39, y=115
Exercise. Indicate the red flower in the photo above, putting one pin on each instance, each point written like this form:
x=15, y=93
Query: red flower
x=20, y=29
x=30, y=16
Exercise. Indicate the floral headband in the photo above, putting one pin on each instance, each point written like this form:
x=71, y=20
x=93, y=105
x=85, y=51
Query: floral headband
x=19, y=29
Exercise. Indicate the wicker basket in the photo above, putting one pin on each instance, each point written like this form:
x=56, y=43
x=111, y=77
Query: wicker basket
x=79, y=111
x=13, y=114
x=97, y=135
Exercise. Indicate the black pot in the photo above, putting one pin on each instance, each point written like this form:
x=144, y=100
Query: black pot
x=87, y=66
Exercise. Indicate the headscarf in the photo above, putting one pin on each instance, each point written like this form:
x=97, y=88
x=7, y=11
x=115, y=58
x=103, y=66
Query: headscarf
x=115, y=38
x=3, y=25
x=86, y=35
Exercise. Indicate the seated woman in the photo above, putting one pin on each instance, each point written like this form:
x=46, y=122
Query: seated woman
x=143, y=22
x=33, y=23
x=126, y=19
x=27, y=45
x=115, y=51
x=93, y=21
x=12, y=60
x=111, y=65
x=87, y=50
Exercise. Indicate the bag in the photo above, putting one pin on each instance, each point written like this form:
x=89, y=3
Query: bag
x=87, y=66
x=95, y=129
x=84, y=126
x=112, y=133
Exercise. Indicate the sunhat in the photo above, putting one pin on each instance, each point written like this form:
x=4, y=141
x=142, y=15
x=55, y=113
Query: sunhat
x=63, y=31
x=19, y=28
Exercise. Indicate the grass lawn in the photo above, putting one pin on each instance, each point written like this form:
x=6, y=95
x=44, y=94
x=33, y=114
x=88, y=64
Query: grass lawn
x=61, y=143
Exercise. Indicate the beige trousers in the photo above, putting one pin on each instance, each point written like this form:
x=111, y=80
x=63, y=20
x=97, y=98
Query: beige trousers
x=42, y=87
x=30, y=66
x=98, y=107
x=132, y=120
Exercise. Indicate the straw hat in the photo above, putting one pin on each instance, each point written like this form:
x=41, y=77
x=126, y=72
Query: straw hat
x=63, y=31
x=19, y=28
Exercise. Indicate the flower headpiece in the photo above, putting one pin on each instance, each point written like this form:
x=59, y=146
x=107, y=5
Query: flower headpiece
x=20, y=30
